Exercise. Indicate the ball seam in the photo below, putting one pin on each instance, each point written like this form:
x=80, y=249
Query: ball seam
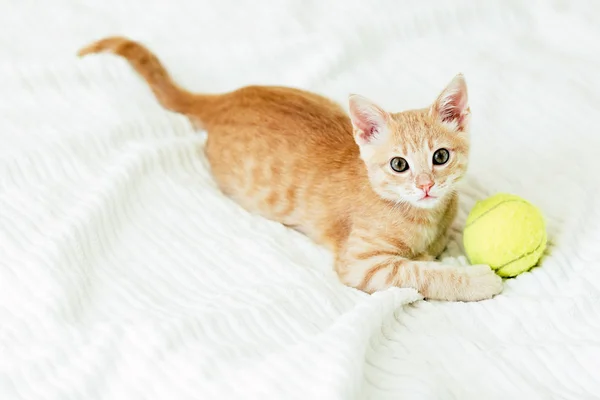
x=492, y=209
x=522, y=256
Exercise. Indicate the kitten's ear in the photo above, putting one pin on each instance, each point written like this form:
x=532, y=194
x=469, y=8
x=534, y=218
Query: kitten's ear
x=452, y=105
x=369, y=120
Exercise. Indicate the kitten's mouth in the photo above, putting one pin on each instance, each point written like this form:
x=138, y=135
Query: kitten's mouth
x=427, y=197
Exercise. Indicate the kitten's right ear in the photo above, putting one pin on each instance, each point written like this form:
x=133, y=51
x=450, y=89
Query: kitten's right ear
x=369, y=120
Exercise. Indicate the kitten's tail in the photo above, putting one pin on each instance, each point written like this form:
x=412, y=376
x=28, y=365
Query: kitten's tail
x=150, y=68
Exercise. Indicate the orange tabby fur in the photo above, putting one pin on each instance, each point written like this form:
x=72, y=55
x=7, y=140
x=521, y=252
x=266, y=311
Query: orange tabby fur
x=298, y=158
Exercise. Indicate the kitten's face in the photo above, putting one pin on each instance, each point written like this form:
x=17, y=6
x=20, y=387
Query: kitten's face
x=419, y=163
x=417, y=156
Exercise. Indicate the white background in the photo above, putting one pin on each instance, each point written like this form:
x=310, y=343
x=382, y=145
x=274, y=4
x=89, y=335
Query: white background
x=124, y=273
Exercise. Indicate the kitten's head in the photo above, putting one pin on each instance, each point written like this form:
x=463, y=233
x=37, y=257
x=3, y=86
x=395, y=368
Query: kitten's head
x=415, y=156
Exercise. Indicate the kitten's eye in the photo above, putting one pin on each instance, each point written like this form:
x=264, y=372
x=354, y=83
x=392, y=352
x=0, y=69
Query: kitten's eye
x=441, y=157
x=398, y=164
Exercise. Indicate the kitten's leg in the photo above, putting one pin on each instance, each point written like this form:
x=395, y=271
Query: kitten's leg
x=438, y=246
x=432, y=279
x=371, y=270
x=424, y=257
x=433, y=251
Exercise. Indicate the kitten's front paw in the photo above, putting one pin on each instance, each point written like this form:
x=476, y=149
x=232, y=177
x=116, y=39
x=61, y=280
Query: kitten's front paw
x=482, y=283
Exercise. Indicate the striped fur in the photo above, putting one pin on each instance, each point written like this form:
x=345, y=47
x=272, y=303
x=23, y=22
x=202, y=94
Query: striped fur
x=300, y=159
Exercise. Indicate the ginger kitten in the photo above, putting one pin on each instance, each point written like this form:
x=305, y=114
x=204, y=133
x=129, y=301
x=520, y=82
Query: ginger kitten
x=375, y=187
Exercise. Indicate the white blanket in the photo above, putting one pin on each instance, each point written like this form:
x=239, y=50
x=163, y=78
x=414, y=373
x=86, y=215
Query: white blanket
x=125, y=274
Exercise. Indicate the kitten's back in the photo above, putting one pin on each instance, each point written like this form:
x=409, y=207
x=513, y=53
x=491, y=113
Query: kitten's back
x=286, y=154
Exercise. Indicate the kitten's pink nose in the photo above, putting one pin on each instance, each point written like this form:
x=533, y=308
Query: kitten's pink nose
x=426, y=187
x=425, y=183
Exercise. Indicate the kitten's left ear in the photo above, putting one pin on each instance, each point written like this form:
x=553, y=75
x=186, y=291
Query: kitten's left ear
x=451, y=107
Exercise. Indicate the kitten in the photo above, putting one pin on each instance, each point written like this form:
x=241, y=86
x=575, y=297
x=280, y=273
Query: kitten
x=377, y=188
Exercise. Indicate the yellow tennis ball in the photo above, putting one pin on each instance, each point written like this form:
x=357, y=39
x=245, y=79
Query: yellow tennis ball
x=505, y=232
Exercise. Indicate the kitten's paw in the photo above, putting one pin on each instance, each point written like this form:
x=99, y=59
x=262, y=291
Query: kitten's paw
x=470, y=283
x=481, y=283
